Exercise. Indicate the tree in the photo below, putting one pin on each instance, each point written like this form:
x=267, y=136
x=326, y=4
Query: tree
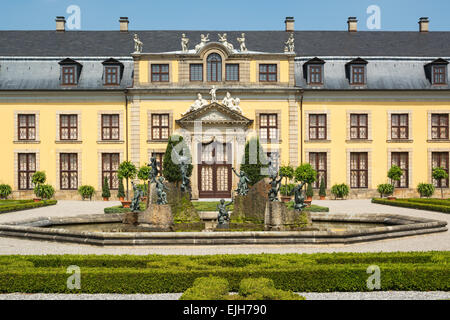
x=322, y=189
x=120, y=191
x=253, y=161
x=143, y=173
x=395, y=173
x=439, y=174
x=38, y=179
x=106, y=193
x=127, y=170
x=305, y=173
x=287, y=172
x=309, y=191
x=176, y=147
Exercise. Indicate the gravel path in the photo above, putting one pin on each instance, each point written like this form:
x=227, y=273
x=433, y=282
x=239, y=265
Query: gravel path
x=381, y=295
x=436, y=242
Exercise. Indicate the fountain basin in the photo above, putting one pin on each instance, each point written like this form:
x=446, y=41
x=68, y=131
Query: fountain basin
x=391, y=226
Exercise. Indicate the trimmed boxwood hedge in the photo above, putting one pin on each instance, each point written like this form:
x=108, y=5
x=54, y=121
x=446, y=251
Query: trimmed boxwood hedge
x=17, y=205
x=422, y=204
x=420, y=271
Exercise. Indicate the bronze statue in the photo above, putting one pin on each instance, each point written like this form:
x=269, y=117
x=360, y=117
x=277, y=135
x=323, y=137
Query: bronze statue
x=242, y=187
x=160, y=191
x=154, y=170
x=137, y=194
x=223, y=216
x=185, y=181
x=299, y=199
x=274, y=187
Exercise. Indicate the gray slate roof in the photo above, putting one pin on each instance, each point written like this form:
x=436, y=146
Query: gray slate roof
x=307, y=43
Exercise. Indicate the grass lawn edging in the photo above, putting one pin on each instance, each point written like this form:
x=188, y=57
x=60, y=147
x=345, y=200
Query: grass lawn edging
x=18, y=205
x=421, y=204
x=344, y=272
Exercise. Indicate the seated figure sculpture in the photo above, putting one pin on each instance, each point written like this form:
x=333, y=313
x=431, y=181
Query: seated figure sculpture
x=223, y=216
x=299, y=199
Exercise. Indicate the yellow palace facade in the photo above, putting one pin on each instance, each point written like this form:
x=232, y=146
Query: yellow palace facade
x=77, y=103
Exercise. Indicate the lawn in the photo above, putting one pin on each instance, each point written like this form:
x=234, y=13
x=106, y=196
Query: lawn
x=18, y=205
x=440, y=205
x=321, y=272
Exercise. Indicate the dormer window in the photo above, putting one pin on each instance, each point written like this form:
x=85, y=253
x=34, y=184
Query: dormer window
x=313, y=71
x=112, y=72
x=214, y=67
x=356, y=72
x=436, y=72
x=70, y=72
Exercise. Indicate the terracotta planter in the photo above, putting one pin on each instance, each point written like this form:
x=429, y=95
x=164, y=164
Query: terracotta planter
x=308, y=203
x=286, y=198
x=126, y=204
x=322, y=197
x=309, y=199
x=36, y=199
x=121, y=199
x=105, y=199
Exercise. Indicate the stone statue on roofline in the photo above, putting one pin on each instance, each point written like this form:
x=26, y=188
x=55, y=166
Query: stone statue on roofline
x=203, y=40
x=200, y=102
x=184, y=43
x=137, y=44
x=231, y=103
x=212, y=92
x=290, y=44
x=241, y=41
x=224, y=41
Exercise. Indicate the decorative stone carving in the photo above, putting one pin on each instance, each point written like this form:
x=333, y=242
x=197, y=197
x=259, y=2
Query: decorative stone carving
x=224, y=41
x=290, y=44
x=203, y=40
x=212, y=92
x=241, y=41
x=137, y=44
x=200, y=102
x=232, y=103
x=184, y=43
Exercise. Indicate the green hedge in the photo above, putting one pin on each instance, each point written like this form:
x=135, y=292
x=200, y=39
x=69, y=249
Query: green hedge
x=415, y=204
x=160, y=274
x=17, y=205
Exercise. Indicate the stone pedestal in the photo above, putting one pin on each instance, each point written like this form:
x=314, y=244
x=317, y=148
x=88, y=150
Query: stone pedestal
x=156, y=216
x=251, y=207
x=130, y=218
x=278, y=217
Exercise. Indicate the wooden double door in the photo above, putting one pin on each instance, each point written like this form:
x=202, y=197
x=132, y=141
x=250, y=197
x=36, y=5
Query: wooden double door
x=214, y=170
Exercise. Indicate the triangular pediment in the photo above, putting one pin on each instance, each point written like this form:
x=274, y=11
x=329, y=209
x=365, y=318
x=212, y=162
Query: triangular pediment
x=215, y=114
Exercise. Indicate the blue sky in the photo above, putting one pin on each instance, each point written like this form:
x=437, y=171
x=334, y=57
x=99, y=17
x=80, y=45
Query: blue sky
x=219, y=15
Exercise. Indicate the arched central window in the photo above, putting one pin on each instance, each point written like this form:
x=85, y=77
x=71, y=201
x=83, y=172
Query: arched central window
x=214, y=67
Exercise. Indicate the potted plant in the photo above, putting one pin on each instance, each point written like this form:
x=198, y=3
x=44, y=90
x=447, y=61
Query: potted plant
x=340, y=191
x=286, y=172
x=286, y=192
x=309, y=194
x=121, y=191
x=395, y=173
x=46, y=191
x=306, y=173
x=38, y=180
x=322, y=189
x=425, y=189
x=5, y=191
x=106, y=193
x=385, y=189
x=143, y=174
x=439, y=174
x=86, y=192
x=127, y=170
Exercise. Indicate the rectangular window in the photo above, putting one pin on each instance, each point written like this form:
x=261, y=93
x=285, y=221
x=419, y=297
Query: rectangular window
x=318, y=161
x=439, y=126
x=317, y=126
x=401, y=159
x=68, y=127
x=68, y=76
x=110, y=165
x=110, y=127
x=196, y=72
x=111, y=75
x=160, y=126
x=160, y=73
x=27, y=167
x=358, y=126
x=268, y=126
x=399, y=126
x=315, y=75
x=232, y=72
x=26, y=126
x=159, y=161
x=440, y=159
x=358, y=170
x=439, y=75
x=358, y=76
x=68, y=171
x=268, y=72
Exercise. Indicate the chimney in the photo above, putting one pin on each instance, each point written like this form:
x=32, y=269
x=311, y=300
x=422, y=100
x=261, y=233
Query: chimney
x=60, y=24
x=423, y=24
x=352, y=24
x=289, y=23
x=124, y=24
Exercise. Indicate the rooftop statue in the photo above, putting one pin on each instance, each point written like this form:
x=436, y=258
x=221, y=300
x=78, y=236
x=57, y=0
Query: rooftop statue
x=212, y=92
x=299, y=199
x=224, y=41
x=160, y=191
x=241, y=41
x=137, y=44
x=231, y=103
x=203, y=40
x=153, y=169
x=223, y=216
x=200, y=102
x=184, y=43
x=290, y=44
x=242, y=187
x=137, y=195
